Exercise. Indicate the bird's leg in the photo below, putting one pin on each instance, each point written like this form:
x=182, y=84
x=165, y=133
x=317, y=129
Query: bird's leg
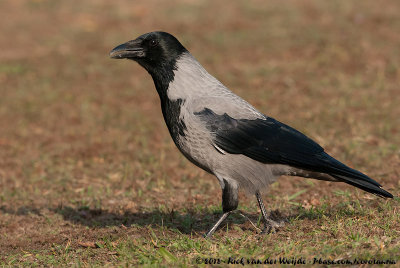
x=230, y=202
x=263, y=213
x=269, y=224
x=216, y=225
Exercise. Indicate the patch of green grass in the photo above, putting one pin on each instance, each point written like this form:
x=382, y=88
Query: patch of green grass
x=12, y=69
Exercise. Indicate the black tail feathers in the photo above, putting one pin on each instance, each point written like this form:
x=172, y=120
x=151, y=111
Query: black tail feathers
x=366, y=185
x=351, y=176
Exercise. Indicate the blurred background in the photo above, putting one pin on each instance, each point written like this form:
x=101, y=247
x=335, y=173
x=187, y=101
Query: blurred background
x=82, y=138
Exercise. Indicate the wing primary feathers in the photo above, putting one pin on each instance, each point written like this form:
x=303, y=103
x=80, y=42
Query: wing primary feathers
x=272, y=142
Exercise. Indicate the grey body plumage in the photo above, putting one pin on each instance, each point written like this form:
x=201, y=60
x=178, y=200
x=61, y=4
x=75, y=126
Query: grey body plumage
x=198, y=90
x=226, y=136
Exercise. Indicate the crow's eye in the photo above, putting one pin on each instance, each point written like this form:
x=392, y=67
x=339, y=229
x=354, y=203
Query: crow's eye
x=153, y=43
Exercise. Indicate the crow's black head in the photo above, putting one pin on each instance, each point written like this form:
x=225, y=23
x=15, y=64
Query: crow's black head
x=155, y=51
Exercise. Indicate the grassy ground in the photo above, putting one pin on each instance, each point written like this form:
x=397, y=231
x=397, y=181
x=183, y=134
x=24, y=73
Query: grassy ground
x=90, y=176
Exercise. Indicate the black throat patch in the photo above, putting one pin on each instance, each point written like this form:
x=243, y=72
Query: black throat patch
x=171, y=109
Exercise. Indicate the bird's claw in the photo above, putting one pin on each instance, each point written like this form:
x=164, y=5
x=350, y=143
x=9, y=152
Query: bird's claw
x=271, y=226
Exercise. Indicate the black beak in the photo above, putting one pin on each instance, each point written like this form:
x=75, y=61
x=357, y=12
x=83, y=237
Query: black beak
x=129, y=50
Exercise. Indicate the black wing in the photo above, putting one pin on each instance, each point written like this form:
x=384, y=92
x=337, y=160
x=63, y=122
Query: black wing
x=270, y=141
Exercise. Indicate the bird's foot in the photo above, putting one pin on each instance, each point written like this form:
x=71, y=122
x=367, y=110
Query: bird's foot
x=247, y=218
x=271, y=226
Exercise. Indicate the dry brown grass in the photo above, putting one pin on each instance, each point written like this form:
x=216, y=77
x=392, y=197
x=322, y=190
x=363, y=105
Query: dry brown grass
x=85, y=156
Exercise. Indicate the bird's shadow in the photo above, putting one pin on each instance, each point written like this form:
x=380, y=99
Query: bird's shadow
x=185, y=222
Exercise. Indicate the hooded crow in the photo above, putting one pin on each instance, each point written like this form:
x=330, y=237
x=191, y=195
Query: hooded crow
x=223, y=134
